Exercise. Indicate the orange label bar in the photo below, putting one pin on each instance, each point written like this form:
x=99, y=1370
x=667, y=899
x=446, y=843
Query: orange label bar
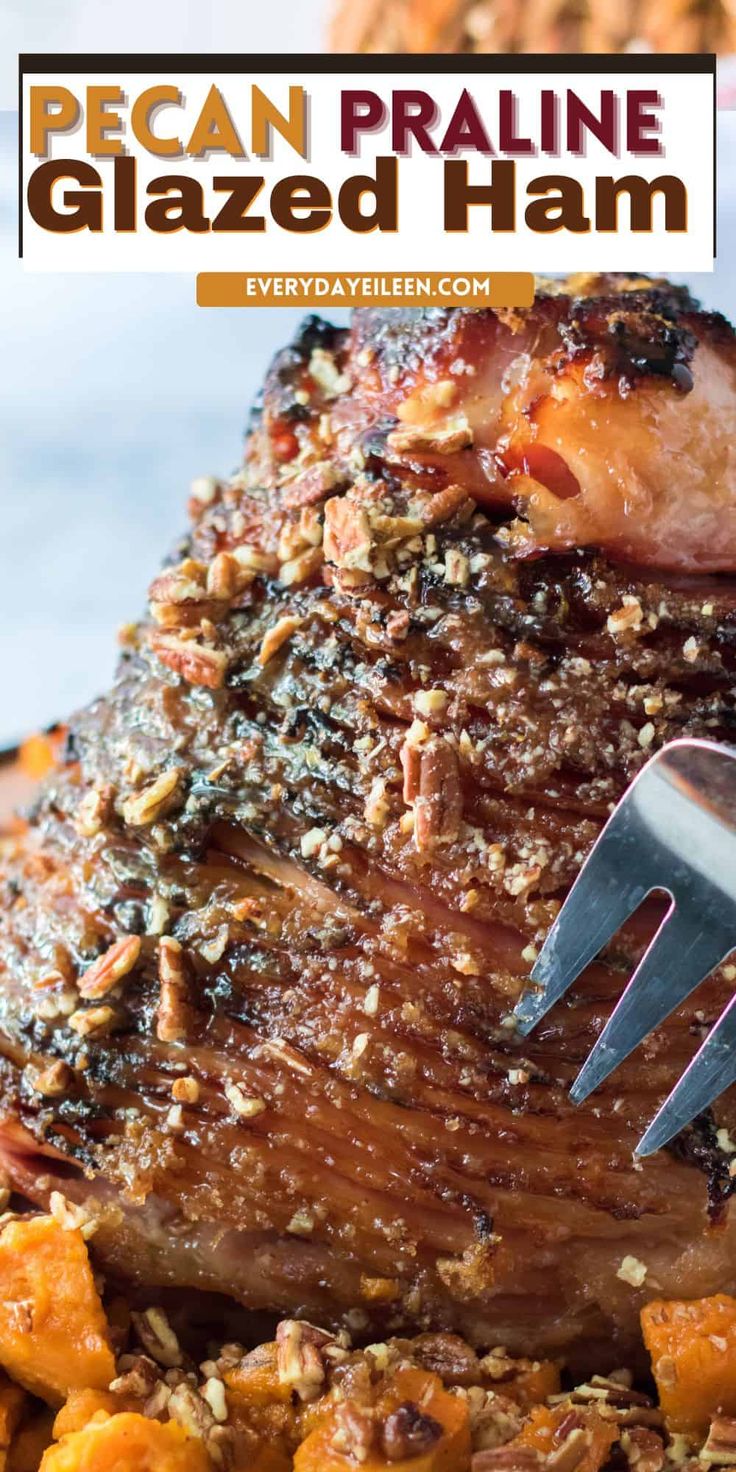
x=365, y=289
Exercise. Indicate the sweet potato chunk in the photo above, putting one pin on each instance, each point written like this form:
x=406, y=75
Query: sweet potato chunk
x=548, y=1429
x=82, y=1406
x=693, y=1350
x=53, y=1331
x=127, y=1443
x=407, y=1393
x=261, y=1411
x=528, y=1382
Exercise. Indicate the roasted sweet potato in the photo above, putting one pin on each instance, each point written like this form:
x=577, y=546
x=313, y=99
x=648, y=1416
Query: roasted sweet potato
x=411, y=1391
x=261, y=1405
x=528, y=1382
x=693, y=1350
x=127, y=1443
x=53, y=1331
x=549, y=1427
x=82, y=1406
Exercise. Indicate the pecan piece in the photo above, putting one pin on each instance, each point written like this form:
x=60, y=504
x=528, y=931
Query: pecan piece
x=720, y=1447
x=172, y=1014
x=347, y=534
x=439, y=804
x=277, y=635
x=111, y=967
x=355, y=1431
x=426, y=439
x=157, y=1337
x=644, y=1449
x=448, y=1356
x=300, y=1357
x=506, y=1459
x=196, y=663
x=146, y=807
x=408, y=1432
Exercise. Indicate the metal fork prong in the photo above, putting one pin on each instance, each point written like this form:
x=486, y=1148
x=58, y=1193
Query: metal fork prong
x=712, y=1070
x=674, y=964
x=604, y=895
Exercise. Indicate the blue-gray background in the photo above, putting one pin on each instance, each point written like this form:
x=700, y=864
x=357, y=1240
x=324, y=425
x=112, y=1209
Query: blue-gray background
x=116, y=390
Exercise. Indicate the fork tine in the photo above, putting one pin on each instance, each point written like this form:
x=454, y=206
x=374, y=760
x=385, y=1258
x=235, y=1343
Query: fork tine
x=681, y=954
x=606, y=892
x=712, y=1070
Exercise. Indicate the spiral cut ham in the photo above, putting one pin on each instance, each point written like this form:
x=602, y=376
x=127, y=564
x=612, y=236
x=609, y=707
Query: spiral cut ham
x=263, y=935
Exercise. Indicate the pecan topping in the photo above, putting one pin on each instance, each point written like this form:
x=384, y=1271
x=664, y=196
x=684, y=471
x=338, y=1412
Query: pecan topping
x=173, y=1008
x=448, y=1356
x=408, y=1432
x=643, y=1449
x=157, y=1337
x=196, y=664
x=85, y=1021
x=145, y=807
x=442, y=439
x=300, y=1357
x=53, y=1081
x=300, y=568
x=720, y=1447
x=278, y=635
x=347, y=534
x=506, y=1459
x=111, y=967
x=439, y=804
x=356, y=1431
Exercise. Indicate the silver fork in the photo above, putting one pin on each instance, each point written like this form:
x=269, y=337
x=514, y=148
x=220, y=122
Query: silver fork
x=674, y=831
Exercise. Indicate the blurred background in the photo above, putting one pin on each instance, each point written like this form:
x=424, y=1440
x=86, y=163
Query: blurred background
x=115, y=391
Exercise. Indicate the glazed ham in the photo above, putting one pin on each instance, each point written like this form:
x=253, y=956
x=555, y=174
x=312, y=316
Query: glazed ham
x=262, y=939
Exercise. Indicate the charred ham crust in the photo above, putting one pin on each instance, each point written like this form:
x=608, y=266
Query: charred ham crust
x=630, y=334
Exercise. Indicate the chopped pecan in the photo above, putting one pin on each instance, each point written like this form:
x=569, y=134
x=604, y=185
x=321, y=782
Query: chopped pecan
x=196, y=663
x=53, y=1081
x=444, y=504
x=643, y=1449
x=172, y=1014
x=89, y=1020
x=448, y=1356
x=445, y=438
x=300, y=1357
x=397, y=624
x=277, y=635
x=92, y=811
x=438, y=806
x=146, y=807
x=311, y=487
x=302, y=567
x=494, y=1419
x=720, y=1447
x=157, y=1337
x=507, y=1459
x=408, y=1432
x=138, y=1376
x=347, y=534
x=72, y=1217
x=571, y=1452
x=190, y=1410
x=355, y=1431
x=255, y=560
x=110, y=968
x=227, y=577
